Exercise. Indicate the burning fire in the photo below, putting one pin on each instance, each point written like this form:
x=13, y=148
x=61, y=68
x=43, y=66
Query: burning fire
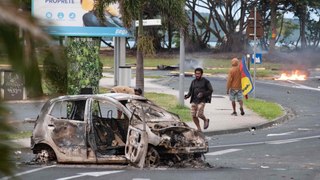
x=295, y=75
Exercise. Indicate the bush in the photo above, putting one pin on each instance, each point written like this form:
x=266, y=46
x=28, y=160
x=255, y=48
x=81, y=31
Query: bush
x=55, y=73
x=84, y=66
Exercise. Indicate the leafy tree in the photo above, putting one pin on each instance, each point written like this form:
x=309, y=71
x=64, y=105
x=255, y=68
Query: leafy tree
x=302, y=9
x=313, y=33
x=132, y=10
x=286, y=28
x=226, y=21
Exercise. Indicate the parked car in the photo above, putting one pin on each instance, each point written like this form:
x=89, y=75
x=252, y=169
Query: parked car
x=112, y=128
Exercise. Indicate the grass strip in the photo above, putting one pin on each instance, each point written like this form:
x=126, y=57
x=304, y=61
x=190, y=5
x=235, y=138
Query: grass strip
x=265, y=109
x=170, y=103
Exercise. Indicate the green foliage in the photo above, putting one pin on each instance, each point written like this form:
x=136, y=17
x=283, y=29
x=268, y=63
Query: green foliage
x=5, y=148
x=313, y=33
x=170, y=103
x=84, y=66
x=55, y=73
x=20, y=135
x=265, y=109
x=286, y=27
x=15, y=22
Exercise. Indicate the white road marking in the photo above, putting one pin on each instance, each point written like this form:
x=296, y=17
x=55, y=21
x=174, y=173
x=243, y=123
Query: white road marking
x=297, y=86
x=27, y=172
x=281, y=134
x=283, y=141
x=263, y=142
x=140, y=179
x=304, y=129
x=93, y=174
x=217, y=153
x=280, y=169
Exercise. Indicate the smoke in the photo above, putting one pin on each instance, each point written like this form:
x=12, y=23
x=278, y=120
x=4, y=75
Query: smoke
x=191, y=64
x=306, y=59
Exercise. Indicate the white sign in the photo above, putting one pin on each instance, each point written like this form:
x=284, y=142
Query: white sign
x=58, y=12
x=77, y=18
x=150, y=22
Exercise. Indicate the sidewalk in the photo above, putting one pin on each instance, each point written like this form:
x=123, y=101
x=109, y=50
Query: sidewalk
x=218, y=111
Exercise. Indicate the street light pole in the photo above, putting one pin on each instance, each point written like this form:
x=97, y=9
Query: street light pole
x=181, y=68
x=254, y=51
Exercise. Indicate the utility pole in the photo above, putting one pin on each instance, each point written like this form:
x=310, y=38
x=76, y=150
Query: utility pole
x=254, y=51
x=254, y=31
x=181, y=68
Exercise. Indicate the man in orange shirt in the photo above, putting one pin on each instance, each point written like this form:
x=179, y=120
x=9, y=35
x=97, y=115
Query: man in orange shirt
x=234, y=88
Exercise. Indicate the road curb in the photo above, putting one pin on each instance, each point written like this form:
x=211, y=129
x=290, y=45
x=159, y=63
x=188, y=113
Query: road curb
x=287, y=115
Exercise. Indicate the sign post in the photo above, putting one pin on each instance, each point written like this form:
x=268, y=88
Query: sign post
x=254, y=31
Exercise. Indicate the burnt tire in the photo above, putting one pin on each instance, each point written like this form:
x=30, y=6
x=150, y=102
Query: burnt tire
x=45, y=155
x=152, y=157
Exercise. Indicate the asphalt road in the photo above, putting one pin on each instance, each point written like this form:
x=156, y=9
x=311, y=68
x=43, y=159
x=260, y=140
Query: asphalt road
x=284, y=151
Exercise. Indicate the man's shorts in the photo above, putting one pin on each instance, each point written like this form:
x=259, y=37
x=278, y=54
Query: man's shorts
x=235, y=95
x=197, y=109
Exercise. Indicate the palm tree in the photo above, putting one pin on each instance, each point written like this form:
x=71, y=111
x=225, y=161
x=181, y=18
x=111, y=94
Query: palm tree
x=133, y=10
x=13, y=24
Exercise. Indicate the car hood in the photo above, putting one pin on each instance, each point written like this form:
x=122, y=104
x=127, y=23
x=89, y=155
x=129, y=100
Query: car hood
x=149, y=112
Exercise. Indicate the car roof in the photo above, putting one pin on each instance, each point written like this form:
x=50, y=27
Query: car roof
x=115, y=96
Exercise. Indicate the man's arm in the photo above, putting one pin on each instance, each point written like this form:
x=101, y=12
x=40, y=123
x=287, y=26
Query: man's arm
x=228, y=82
x=209, y=88
x=190, y=90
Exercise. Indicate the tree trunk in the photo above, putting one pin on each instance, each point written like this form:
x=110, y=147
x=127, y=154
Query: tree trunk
x=169, y=35
x=139, y=68
x=236, y=40
x=273, y=5
x=303, y=26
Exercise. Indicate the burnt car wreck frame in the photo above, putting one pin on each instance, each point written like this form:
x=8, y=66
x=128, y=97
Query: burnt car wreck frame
x=113, y=128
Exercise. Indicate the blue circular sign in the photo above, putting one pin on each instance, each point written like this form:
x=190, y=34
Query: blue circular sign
x=60, y=15
x=49, y=15
x=72, y=15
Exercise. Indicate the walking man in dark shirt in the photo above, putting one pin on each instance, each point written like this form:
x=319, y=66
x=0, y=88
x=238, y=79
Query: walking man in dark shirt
x=200, y=91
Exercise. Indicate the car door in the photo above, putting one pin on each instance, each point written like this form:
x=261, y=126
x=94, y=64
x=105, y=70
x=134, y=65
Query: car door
x=108, y=127
x=136, y=146
x=68, y=132
x=137, y=137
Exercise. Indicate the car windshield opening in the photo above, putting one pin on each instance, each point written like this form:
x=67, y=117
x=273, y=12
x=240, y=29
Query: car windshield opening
x=149, y=111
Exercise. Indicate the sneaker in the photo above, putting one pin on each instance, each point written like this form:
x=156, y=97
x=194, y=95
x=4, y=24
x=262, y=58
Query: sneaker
x=242, y=112
x=234, y=114
x=206, y=124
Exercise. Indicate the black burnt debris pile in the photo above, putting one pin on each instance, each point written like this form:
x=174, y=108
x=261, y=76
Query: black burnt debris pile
x=189, y=162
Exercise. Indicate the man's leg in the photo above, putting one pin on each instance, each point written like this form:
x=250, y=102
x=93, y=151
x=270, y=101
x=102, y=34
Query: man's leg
x=240, y=97
x=194, y=109
x=234, y=108
x=196, y=122
x=233, y=102
x=241, y=107
x=201, y=115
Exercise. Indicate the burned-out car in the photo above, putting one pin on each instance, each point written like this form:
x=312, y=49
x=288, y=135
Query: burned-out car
x=112, y=128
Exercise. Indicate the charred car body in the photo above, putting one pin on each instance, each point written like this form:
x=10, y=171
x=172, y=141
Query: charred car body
x=112, y=128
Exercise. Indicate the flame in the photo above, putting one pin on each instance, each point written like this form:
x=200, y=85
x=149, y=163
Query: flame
x=295, y=75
